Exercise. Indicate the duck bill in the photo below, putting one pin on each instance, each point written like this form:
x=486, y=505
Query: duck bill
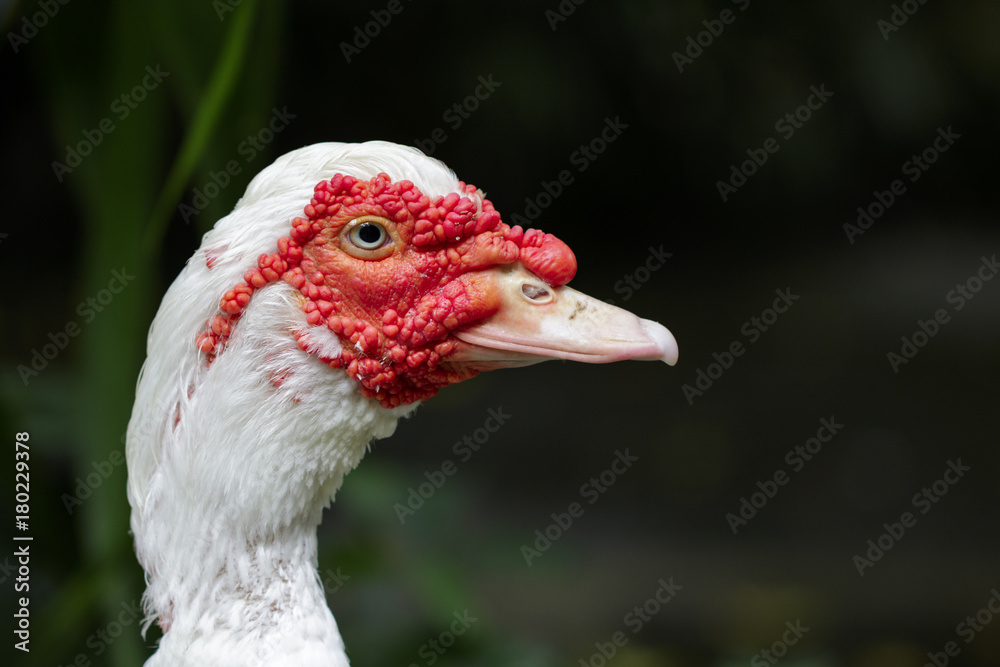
x=536, y=322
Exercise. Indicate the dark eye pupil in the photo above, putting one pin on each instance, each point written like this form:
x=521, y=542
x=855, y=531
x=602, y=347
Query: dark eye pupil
x=369, y=233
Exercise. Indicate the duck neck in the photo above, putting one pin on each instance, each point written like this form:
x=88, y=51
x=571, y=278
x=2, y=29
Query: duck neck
x=247, y=599
x=225, y=522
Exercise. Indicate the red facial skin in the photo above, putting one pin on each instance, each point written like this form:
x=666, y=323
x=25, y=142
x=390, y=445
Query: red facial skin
x=394, y=314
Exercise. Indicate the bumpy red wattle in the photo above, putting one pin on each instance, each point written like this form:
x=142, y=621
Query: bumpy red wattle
x=394, y=316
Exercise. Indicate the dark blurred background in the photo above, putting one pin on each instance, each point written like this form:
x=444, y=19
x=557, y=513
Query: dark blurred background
x=119, y=113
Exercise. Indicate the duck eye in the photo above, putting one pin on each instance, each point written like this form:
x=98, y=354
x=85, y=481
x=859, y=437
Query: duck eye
x=368, y=235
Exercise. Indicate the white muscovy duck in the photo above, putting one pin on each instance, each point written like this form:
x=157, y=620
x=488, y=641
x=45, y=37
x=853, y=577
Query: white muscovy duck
x=349, y=283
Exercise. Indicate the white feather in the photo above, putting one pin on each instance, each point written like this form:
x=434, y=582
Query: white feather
x=228, y=470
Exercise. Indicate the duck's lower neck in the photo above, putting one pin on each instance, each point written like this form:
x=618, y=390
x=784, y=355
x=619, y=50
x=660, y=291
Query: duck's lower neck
x=247, y=600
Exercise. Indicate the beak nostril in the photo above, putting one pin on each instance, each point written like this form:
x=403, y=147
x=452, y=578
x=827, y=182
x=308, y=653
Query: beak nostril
x=536, y=293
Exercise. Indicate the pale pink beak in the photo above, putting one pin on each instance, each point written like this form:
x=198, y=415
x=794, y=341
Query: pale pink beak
x=537, y=322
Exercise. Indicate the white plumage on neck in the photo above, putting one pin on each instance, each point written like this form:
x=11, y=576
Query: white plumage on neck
x=230, y=466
